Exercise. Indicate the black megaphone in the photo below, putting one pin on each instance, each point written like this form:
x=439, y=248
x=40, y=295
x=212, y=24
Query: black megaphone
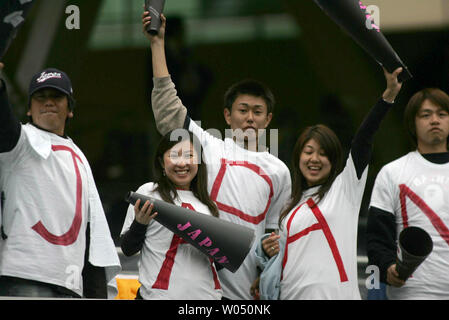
x=225, y=242
x=12, y=17
x=155, y=7
x=352, y=16
x=415, y=245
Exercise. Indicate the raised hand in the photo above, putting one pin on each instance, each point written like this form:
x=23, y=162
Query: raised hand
x=146, y=20
x=393, y=85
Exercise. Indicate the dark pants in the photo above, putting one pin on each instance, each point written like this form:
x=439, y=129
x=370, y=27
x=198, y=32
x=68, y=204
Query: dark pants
x=138, y=296
x=18, y=287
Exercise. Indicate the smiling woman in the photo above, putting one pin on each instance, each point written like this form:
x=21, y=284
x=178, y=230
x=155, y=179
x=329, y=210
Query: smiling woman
x=180, y=164
x=169, y=267
x=318, y=228
x=318, y=156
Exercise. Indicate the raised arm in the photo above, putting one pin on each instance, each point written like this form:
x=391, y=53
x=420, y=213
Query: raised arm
x=157, y=43
x=169, y=112
x=9, y=125
x=361, y=148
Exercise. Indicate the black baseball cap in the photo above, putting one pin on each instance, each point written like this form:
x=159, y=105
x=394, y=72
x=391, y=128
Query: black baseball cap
x=51, y=78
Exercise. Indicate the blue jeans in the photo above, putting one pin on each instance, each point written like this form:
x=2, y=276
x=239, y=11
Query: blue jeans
x=378, y=294
x=18, y=287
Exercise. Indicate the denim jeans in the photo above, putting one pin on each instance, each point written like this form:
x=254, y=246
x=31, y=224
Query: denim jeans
x=18, y=287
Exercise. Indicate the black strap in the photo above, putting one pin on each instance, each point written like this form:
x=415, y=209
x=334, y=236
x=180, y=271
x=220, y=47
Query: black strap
x=10, y=126
x=2, y=206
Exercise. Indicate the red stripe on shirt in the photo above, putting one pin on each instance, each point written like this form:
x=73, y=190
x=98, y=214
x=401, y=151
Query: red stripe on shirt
x=321, y=225
x=433, y=217
x=163, y=278
x=232, y=210
x=72, y=234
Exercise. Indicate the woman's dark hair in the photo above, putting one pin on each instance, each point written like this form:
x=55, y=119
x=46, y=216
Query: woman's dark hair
x=331, y=145
x=198, y=186
x=252, y=88
x=434, y=95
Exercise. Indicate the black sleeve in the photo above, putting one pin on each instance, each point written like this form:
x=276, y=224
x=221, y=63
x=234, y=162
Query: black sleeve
x=132, y=241
x=361, y=147
x=9, y=125
x=94, y=278
x=381, y=240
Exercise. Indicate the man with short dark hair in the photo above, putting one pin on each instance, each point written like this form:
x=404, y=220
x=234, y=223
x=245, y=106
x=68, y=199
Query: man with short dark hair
x=414, y=191
x=55, y=241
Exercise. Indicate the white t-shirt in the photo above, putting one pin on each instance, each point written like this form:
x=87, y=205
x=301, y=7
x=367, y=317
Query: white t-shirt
x=170, y=268
x=416, y=191
x=46, y=209
x=250, y=189
x=320, y=259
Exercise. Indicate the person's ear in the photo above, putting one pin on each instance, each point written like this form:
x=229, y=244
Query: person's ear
x=227, y=116
x=161, y=162
x=269, y=118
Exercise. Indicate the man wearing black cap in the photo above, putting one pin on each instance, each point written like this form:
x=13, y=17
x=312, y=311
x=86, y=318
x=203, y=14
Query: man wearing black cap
x=55, y=241
x=51, y=86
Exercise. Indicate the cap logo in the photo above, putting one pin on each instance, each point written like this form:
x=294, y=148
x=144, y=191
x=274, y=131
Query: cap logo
x=51, y=75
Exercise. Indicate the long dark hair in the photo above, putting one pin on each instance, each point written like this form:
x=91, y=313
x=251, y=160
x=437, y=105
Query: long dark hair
x=198, y=186
x=331, y=145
